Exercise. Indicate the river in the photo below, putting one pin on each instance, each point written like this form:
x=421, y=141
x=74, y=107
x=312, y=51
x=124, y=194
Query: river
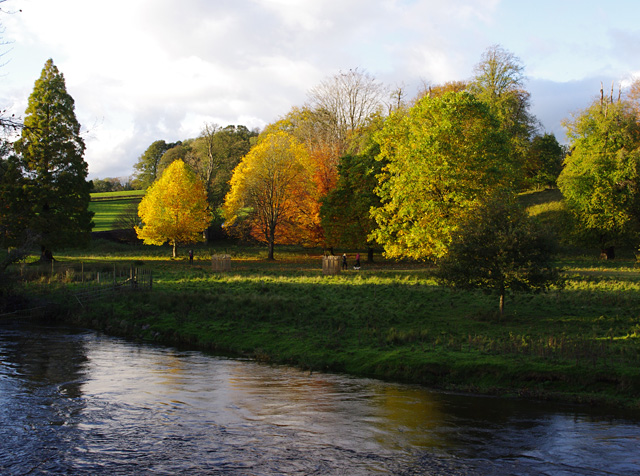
x=74, y=402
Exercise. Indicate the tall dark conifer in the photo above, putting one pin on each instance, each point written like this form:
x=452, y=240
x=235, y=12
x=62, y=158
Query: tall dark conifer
x=51, y=154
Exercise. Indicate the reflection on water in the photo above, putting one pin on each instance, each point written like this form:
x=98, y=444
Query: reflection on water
x=80, y=403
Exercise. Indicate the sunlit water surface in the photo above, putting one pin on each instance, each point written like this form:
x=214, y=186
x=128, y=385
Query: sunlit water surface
x=80, y=403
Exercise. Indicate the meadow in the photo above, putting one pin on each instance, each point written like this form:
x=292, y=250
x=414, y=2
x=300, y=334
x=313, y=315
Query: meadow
x=578, y=342
x=108, y=206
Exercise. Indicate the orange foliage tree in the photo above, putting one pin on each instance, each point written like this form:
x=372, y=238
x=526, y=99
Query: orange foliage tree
x=175, y=208
x=271, y=191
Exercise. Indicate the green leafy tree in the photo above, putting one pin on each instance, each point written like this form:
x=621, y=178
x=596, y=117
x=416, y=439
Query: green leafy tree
x=50, y=152
x=147, y=167
x=345, y=212
x=600, y=180
x=444, y=155
x=13, y=219
x=544, y=161
x=499, y=81
x=499, y=248
x=174, y=209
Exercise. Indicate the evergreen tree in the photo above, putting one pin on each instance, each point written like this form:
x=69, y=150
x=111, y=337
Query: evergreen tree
x=50, y=151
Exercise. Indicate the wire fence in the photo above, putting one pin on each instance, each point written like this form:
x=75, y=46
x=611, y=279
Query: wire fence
x=78, y=282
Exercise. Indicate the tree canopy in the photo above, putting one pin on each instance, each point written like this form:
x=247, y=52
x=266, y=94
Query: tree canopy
x=51, y=161
x=174, y=209
x=601, y=176
x=499, y=248
x=444, y=155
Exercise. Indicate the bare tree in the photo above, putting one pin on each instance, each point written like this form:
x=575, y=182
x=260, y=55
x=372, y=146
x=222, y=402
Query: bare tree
x=349, y=99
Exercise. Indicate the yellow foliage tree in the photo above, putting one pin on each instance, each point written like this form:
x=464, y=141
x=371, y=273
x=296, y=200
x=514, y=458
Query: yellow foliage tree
x=174, y=209
x=271, y=190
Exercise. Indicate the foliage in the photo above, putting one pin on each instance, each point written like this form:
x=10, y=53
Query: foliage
x=270, y=190
x=175, y=208
x=50, y=153
x=111, y=184
x=544, y=161
x=345, y=212
x=146, y=168
x=499, y=81
x=444, y=155
x=601, y=176
x=499, y=248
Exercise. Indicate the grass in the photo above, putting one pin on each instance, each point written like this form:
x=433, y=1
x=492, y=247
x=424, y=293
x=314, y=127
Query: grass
x=108, y=206
x=389, y=320
x=579, y=342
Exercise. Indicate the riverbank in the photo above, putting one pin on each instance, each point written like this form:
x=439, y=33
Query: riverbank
x=392, y=321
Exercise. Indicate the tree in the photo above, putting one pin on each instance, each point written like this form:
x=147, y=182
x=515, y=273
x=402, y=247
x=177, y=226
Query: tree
x=174, y=209
x=50, y=153
x=147, y=165
x=499, y=248
x=345, y=212
x=444, y=154
x=348, y=101
x=600, y=180
x=499, y=81
x=544, y=161
x=270, y=190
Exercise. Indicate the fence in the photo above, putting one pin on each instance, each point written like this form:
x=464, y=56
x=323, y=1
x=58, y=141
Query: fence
x=221, y=263
x=82, y=283
x=331, y=264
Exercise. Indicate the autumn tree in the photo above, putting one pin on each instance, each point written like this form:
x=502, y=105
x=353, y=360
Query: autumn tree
x=600, y=180
x=444, y=155
x=270, y=190
x=50, y=153
x=497, y=249
x=174, y=209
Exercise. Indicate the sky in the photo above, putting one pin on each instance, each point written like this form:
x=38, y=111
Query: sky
x=145, y=70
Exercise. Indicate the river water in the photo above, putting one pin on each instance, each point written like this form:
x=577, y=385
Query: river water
x=78, y=403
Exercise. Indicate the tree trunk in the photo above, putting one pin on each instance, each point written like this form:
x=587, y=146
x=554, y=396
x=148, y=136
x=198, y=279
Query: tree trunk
x=175, y=250
x=45, y=254
x=270, y=254
x=501, y=303
x=608, y=253
x=369, y=255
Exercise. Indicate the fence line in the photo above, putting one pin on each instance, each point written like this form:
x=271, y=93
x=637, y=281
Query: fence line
x=86, y=285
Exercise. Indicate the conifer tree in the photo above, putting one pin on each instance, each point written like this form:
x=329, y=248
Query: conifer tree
x=51, y=157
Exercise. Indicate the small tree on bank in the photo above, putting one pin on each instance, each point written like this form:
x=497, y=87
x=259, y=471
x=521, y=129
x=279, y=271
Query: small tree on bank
x=499, y=248
x=175, y=209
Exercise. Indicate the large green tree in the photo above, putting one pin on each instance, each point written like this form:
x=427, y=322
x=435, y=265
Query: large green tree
x=444, y=155
x=499, y=81
x=600, y=180
x=51, y=158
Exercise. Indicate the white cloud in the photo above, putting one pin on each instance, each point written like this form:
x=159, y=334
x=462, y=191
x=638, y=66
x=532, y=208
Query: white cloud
x=142, y=70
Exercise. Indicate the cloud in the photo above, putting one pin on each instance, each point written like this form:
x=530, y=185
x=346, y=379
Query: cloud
x=143, y=70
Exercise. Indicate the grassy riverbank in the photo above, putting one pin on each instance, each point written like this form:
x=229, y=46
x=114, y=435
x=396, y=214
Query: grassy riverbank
x=390, y=320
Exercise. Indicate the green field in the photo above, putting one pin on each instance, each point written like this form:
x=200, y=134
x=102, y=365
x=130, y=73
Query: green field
x=108, y=206
x=578, y=342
